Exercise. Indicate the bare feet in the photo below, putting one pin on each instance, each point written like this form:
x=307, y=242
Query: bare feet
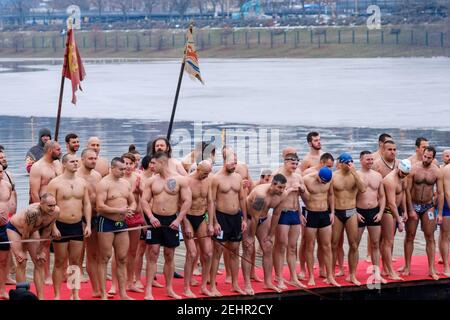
x=249, y=291
x=112, y=291
x=138, y=284
x=404, y=271
x=255, y=277
x=215, y=292
x=172, y=294
x=332, y=282
x=280, y=284
x=148, y=296
x=237, y=289
x=126, y=297
x=228, y=279
x=322, y=273
x=301, y=275
x=271, y=286
x=352, y=279
x=4, y=296
x=340, y=273
x=206, y=292
x=133, y=288
x=311, y=282
x=434, y=275
x=188, y=293
x=194, y=282
x=395, y=276
x=296, y=283
x=379, y=279
x=48, y=281
x=10, y=280
x=156, y=284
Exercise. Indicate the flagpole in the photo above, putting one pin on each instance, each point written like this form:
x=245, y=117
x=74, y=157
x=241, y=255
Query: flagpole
x=175, y=102
x=61, y=89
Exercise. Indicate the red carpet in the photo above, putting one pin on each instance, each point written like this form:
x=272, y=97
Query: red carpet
x=419, y=271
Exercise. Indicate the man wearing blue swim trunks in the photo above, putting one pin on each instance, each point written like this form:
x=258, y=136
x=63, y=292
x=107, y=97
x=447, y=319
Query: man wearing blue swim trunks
x=288, y=229
x=421, y=204
x=115, y=201
x=445, y=226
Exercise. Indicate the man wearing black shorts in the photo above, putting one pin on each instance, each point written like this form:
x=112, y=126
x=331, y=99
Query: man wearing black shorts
x=370, y=207
x=171, y=199
x=319, y=200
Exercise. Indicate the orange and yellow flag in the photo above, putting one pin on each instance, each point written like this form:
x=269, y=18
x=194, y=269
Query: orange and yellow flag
x=73, y=66
x=191, y=58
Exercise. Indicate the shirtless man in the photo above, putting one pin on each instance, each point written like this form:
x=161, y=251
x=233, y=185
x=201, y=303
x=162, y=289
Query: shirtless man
x=387, y=161
x=115, y=202
x=265, y=177
x=381, y=140
x=326, y=160
x=72, y=143
x=35, y=222
x=421, y=144
x=445, y=157
x=162, y=144
x=370, y=207
x=166, y=199
x=72, y=197
x=319, y=201
x=231, y=218
x=202, y=151
x=312, y=158
x=445, y=226
x=395, y=187
x=102, y=165
x=5, y=199
x=92, y=177
x=198, y=223
x=288, y=229
x=42, y=172
x=421, y=206
x=346, y=184
x=8, y=176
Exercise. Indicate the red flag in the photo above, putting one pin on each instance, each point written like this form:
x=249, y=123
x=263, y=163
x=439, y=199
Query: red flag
x=73, y=66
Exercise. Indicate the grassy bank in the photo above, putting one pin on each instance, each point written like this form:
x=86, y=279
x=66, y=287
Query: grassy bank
x=242, y=43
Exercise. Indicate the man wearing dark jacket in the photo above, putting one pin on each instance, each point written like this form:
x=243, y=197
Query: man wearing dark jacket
x=36, y=152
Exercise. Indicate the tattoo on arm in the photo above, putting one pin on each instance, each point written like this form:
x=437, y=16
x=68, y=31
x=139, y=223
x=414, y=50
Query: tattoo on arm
x=31, y=218
x=258, y=203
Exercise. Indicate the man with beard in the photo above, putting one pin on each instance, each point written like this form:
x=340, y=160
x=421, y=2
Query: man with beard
x=72, y=143
x=387, y=161
x=421, y=144
x=446, y=157
x=421, y=206
x=102, y=165
x=312, y=158
x=162, y=144
x=36, y=152
x=92, y=177
x=231, y=218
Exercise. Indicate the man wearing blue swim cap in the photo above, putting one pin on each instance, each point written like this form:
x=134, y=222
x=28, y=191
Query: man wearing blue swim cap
x=346, y=184
x=319, y=201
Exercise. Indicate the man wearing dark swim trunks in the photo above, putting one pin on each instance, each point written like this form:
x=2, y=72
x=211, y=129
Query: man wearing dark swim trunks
x=231, y=217
x=421, y=206
x=445, y=226
x=370, y=207
x=198, y=223
x=115, y=201
x=92, y=177
x=72, y=197
x=35, y=222
x=5, y=199
x=170, y=198
x=346, y=184
x=261, y=199
x=319, y=216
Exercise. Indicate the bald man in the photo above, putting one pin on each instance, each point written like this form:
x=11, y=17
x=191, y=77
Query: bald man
x=198, y=223
x=102, y=165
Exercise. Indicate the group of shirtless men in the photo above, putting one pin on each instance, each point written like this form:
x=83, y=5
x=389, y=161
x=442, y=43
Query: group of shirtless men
x=124, y=210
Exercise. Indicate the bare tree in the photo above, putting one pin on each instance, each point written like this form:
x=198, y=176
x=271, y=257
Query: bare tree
x=181, y=6
x=149, y=5
x=100, y=4
x=124, y=6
